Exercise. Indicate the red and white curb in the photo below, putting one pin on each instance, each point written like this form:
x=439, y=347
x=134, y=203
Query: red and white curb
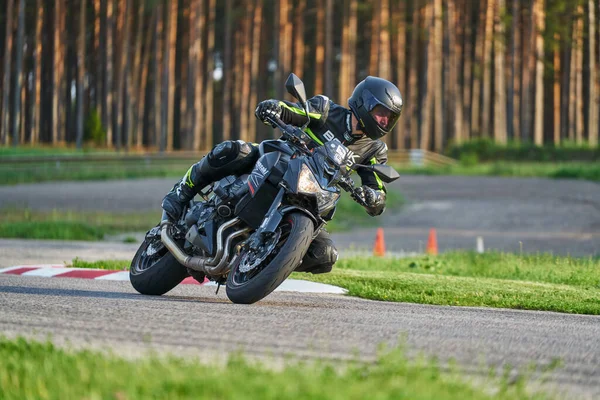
x=60, y=271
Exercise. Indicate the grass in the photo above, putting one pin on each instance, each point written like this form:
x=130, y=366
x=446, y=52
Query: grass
x=68, y=225
x=85, y=171
x=528, y=282
x=556, y=170
x=34, y=370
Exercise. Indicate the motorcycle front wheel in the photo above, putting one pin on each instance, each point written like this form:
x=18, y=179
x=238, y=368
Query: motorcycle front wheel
x=295, y=235
x=154, y=270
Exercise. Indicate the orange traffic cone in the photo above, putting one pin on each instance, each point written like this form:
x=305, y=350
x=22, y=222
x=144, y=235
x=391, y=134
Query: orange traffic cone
x=379, y=248
x=432, y=247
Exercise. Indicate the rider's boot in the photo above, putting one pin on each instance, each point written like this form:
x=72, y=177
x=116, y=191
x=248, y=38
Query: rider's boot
x=321, y=255
x=227, y=158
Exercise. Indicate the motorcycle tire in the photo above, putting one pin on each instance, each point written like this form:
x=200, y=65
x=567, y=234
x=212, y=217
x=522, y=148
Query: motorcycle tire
x=155, y=275
x=297, y=232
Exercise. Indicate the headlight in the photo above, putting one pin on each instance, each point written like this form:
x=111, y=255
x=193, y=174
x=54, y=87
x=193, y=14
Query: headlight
x=307, y=184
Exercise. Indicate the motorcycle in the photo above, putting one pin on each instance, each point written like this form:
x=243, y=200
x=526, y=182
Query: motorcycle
x=251, y=232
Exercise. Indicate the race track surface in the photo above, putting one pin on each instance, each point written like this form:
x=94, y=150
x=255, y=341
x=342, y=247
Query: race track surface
x=511, y=214
x=193, y=321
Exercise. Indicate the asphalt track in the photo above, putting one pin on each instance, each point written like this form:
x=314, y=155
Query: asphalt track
x=193, y=321
x=534, y=215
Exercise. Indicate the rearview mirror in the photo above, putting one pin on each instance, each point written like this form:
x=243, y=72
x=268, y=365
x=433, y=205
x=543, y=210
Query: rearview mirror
x=385, y=172
x=295, y=87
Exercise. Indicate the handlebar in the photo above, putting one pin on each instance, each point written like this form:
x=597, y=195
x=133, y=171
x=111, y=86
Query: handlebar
x=290, y=133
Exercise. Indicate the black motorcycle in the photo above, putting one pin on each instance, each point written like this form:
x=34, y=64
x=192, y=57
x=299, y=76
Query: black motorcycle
x=252, y=231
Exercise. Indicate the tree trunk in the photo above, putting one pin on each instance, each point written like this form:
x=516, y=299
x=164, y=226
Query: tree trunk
x=196, y=73
x=210, y=49
x=18, y=73
x=108, y=74
x=538, y=126
x=499, y=75
x=385, y=67
x=593, y=102
x=36, y=84
x=227, y=70
x=375, y=37
x=510, y=105
x=400, y=22
x=8, y=42
x=170, y=79
x=158, y=76
x=298, y=37
x=578, y=70
x=141, y=104
x=98, y=56
x=254, y=68
x=57, y=119
x=80, y=72
x=468, y=82
x=487, y=68
x=246, y=60
x=329, y=50
x=438, y=79
x=528, y=65
x=320, y=50
x=413, y=79
x=136, y=74
x=427, y=99
x=556, y=93
x=478, y=64
x=455, y=109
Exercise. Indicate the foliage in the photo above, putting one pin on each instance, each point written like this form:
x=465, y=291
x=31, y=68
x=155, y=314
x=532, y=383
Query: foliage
x=35, y=370
x=94, y=131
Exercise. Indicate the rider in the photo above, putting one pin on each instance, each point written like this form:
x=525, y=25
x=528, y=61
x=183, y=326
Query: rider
x=375, y=106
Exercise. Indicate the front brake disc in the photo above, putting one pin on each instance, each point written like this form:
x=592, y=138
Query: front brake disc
x=252, y=259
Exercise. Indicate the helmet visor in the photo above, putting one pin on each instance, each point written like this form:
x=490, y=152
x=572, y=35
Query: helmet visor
x=384, y=117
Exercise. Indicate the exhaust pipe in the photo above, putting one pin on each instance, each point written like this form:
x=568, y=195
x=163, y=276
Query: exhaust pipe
x=211, y=266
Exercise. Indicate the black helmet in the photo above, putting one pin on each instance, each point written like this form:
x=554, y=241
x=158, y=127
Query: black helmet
x=377, y=104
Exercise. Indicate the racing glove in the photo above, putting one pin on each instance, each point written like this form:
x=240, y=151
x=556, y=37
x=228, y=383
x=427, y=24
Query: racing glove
x=374, y=200
x=268, y=108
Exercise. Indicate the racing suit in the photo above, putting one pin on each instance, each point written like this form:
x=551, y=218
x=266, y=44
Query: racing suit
x=327, y=121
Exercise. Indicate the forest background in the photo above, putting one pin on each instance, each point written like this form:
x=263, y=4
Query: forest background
x=184, y=74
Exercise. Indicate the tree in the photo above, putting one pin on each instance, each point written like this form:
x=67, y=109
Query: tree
x=80, y=71
x=593, y=100
x=35, y=103
x=210, y=49
x=499, y=75
x=538, y=126
x=487, y=67
x=4, y=113
x=18, y=73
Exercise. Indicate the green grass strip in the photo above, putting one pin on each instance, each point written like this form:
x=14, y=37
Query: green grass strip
x=505, y=280
x=33, y=370
x=67, y=225
x=464, y=291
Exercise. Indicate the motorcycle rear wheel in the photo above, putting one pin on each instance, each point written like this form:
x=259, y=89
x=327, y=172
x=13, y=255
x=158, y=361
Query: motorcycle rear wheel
x=156, y=274
x=297, y=230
